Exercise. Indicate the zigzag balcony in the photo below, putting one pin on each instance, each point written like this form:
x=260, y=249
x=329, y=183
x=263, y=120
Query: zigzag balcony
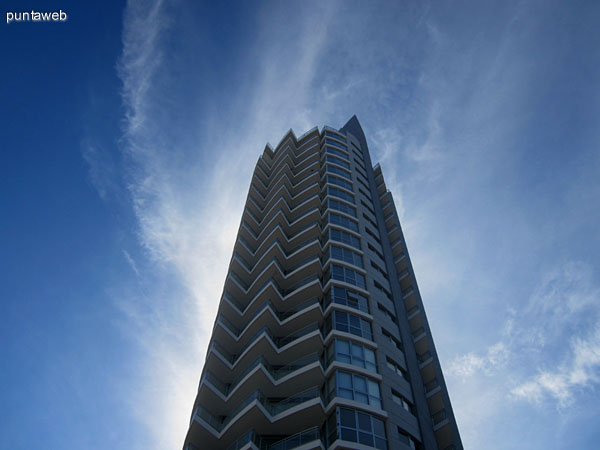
x=311, y=269
x=276, y=248
x=305, y=272
x=247, y=274
x=294, y=177
x=297, y=152
x=299, y=226
x=250, y=308
x=291, y=214
x=278, y=350
x=281, y=217
x=288, y=163
x=288, y=262
x=280, y=381
x=291, y=201
x=268, y=314
x=259, y=412
x=291, y=229
x=275, y=251
x=287, y=212
x=298, y=148
x=277, y=381
x=222, y=360
x=271, y=153
x=284, y=180
x=295, y=171
x=290, y=299
x=240, y=319
x=236, y=339
x=318, y=203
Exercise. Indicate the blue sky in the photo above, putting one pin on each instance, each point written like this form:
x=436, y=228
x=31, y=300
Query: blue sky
x=129, y=136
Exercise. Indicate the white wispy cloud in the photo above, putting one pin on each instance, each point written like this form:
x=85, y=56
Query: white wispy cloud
x=550, y=349
x=580, y=371
x=131, y=262
x=466, y=365
x=102, y=169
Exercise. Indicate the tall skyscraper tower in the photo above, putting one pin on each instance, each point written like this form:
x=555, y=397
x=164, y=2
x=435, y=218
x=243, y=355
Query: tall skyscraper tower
x=321, y=339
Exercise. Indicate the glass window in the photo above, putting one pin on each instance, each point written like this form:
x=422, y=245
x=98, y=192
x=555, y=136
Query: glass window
x=334, y=160
x=391, y=338
x=407, y=439
x=347, y=255
x=374, y=394
x=348, y=275
x=341, y=194
x=345, y=237
x=347, y=418
x=343, y=221
x=349, y=323
x=339, y=206
x=354, y=387
x=336, y=144
x=351, y=353
x=355, y=426
x=338, y=171
x=336, y=152
x=349, y=434
x=343, y=296
x=395, y=367
x=340, y=182
x=402, y=401
x=335, y=136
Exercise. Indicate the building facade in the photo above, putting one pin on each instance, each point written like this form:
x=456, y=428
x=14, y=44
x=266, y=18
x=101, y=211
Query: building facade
x=321, y=340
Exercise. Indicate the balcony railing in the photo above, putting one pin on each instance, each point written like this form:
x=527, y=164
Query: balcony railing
x=273, y=281
x=352, y=303
x=418, y=333
x=424, y=356
x=297, y=440
x=276, y=372
x=292, y=198
x=431, y=385
x=408, y=292
x=273, y=407
x=439, y=417
x=403, y=274
x=281, y=315
x=412, y=310
x=278, y=341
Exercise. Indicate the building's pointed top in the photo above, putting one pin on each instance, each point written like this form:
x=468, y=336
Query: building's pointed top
x=353, y=127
